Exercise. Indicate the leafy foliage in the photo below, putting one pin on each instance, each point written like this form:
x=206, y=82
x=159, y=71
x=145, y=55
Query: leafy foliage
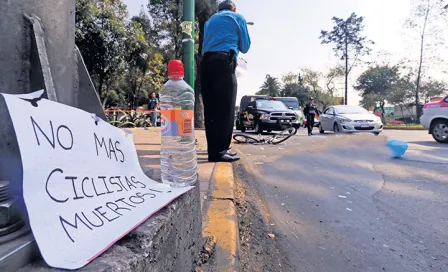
x=427, y=21
x=349, y=44
x=271, y=87
x=120, y=55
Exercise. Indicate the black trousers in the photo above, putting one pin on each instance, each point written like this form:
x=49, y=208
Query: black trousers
x=310, y=123
x=219, y=88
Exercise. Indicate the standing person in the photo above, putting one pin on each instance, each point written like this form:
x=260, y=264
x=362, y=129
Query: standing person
x=310, y=113
x=153, y=105
x=225, y=35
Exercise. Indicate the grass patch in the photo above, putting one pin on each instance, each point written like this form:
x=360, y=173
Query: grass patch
x=405, y=127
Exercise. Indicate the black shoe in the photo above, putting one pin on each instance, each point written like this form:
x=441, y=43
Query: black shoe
x=223, y=157
x=231, y=153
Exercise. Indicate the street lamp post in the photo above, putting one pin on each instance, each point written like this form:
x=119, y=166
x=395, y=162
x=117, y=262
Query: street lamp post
x=188, y=41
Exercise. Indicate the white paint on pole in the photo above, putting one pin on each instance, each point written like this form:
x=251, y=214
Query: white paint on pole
x=83, y=185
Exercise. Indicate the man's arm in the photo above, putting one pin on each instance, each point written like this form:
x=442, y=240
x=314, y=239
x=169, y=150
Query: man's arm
x=244, y=35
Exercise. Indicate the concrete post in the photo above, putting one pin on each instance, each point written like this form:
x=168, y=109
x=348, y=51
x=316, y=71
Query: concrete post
x=26, y=62
x=37, y=51
x=58, y=21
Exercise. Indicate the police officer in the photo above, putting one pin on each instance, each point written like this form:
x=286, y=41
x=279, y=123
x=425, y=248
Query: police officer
x=225, y=35
x=310, y=112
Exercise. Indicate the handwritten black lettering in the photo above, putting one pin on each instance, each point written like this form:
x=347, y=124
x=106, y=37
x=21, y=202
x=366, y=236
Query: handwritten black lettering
x=51, y=142
x=105, y=185
x=46, y=186
x=90, y=222
x=74, y=188
x=147, y=194
x=122, y=200
x=75, y=225
x=143, y=186
x=119, y=150
x=59, y=137
x=129, y=183
x=112, y=150
x=115, y=183
x=108, y=204
x=94, y=188
x=82, y=187
x=119, y=179
x=103, y=214
x=134, y=199
x=101, y=143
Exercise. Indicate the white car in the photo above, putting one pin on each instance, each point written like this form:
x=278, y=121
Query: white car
x=349, y=119
x=435, y=119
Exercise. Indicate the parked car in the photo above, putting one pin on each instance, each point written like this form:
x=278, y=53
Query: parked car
x=435, y=119
x=293, y=104
x=265, y=114
x=349, y=119
x=241, y=114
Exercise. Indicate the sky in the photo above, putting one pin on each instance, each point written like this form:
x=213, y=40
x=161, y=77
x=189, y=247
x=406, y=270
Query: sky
x=285, y=36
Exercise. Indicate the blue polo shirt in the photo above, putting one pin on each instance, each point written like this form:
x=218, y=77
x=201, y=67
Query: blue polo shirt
x=225, y=31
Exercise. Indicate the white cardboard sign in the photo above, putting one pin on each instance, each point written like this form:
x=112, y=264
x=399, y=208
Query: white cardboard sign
x=83, y=185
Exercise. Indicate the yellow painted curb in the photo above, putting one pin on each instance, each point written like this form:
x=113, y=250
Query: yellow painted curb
x=222, y=226
x=221, y=220
x=224, y=182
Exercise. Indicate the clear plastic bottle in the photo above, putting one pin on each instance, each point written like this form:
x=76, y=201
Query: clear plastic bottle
x=178, y=152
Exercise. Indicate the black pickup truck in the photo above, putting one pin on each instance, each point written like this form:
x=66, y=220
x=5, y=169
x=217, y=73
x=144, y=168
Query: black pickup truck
x=262, y=113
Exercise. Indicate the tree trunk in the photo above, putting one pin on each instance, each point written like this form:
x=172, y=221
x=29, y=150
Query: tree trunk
x=346, y=74
x=419, y=74
x=382, y=112
x=419, y=78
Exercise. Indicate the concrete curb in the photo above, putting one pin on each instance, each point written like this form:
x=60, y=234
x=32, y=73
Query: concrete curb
x=221, y=222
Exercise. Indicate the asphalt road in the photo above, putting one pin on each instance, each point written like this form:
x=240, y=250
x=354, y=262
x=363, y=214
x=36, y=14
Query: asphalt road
x=340, y=203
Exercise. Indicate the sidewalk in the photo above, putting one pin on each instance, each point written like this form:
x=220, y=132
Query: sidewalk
x=217, y=186
x=147, y=143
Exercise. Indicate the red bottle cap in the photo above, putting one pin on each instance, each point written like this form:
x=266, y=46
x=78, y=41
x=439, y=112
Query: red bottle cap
x=175, y=68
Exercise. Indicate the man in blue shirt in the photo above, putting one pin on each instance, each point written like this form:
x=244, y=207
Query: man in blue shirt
x=225, y=36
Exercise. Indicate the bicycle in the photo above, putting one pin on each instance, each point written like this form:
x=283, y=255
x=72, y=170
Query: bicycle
x=276, y=139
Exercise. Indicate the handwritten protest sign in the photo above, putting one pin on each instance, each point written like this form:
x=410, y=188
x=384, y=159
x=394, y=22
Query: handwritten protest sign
x=82, y=182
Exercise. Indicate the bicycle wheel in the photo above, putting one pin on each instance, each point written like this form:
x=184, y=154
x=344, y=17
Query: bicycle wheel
x=245, y=139
x=284, y=135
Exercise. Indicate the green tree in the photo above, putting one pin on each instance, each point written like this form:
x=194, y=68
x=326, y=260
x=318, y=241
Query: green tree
x=100, y=36
x=433, y=88
x=166, y=19
x=402, y=93
x=313, y=82
x=376, y=83
x=427, y=21
x=349, y=44
x=271, y=87
x=331, y=79
x=145, y=69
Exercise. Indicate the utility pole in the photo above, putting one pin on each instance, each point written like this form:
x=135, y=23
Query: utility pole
x=188, y=41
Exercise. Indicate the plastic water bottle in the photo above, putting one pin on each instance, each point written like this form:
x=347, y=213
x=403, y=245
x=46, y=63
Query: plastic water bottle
x=178, y=152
